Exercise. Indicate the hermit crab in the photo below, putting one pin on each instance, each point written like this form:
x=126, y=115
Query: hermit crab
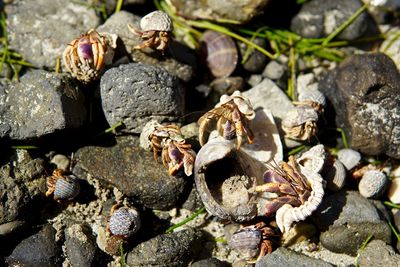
x=86, y=56
x=175, y=152
x=253, y=241
x=156, y=31
x=300, y=123
x=232, y=116
x=62, y=185
x=124, y=221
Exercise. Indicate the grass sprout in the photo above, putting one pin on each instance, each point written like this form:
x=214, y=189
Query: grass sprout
x=395, y=232
x=119, y=6
x=392, y=205
x=185, y=221
x=362, y=247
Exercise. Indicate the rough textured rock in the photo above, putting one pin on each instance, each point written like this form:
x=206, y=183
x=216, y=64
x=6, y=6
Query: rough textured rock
x=377, y=253
x=346, y=219
x=21, y=181
x=175, y=249
x=41, y=103
x=319, y=18
x=133, y=171
x=177, y=61
x=40, y=30
x=241, y=11
x=286, y=257
x=137, y=93
x=39, y=249
x=80, y=246
x=364, y=90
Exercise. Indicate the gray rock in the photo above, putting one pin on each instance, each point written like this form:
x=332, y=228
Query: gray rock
x=11, y=227
x=319, y=18
x=255, y=79
x=240, y=11
x=377, y=254
x=210, y=262
x=137, y=93
x=178, y=61
x=364, y=90
x=41, y=103
x=22, y=180
x=175, y=249
x=274, y=70
x=346, y=219
x=286, y=257
x=80, y=246
x=40, y=30
x=39, y=249
x=256, y=60
x=133, y=171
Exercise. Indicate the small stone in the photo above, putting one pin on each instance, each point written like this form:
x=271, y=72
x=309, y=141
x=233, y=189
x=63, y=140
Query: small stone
x=133, y=171
x=137, y=93
x=286, y=257
x=175, y=249
x=255, y=79
x=39, y=249
x=41, y=103
x=40, y=30
x=11, y=227
x=393, y=192
x=210, y=262
x=346, y=219
x=373, y=184
x=349, y=157
x=274, y=70
x=256, y=60
x=377, y=253
x=319, y=18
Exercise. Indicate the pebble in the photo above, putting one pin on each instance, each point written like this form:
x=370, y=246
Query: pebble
x=319, y=18
x=364, y=91
x=256, y=60
x=274, y=70
x=210, y=262
x=373, y=184
x=377, y=254
x=179, y=61
x=346, y=219
x=175, y=249
x=393, y=192
x=134, y=172
x=349, y=157
x=137, y=93
x=40, y=104
x=39, y=249
x=286, y=257
x=40, y=30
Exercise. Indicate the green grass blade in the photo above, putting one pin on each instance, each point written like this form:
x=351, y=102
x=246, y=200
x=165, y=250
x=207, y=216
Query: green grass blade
x=188, y=219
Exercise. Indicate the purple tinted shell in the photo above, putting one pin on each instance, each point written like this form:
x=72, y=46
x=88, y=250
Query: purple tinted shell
x=246, y=242
x=85, y=51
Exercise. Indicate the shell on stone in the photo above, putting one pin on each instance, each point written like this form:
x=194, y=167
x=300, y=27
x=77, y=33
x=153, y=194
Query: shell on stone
x=246, y=242
x=156, y=21
x=335, y=176
x=66, y=187
x=219, y=52
x=226, y=178
x=124, y=221
x=349, y=157
x=373, y=184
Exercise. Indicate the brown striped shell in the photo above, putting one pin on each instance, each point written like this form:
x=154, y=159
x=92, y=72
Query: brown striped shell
x=219, y=53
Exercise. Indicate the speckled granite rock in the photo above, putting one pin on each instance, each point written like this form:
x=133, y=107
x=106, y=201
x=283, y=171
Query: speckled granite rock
x=41, y=103
x=377, y=253
x=40, y=30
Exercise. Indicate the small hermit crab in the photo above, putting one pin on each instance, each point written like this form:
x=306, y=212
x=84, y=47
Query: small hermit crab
x=123, y=221
x=86, y=56
x=300, y=123
x=175, y=152
x=156, y=31
x=63, y=185
x=232, y=115
x=253, y=241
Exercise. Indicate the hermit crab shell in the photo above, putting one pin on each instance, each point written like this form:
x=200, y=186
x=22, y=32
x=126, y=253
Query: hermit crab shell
x=124, y=222
x=219, y=53
x=66, y=187
x=373, y=184
x=349, y=157
x=335, y=176
x=298, y=116
x=243, y=103
x=225, y=180
x=246, y=242
x=156, y=21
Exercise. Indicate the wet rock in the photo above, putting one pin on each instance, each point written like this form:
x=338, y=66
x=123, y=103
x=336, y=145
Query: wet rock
x=175, y=249
x=286, y=257
x=137, y=93
x=21, y=182
x=319, y=18
x=211, y=262
x=377, y=253
x=256, y=60
x=177, y=61
x=41, y=103
x=241, y=11
x=364, y=90
x=39, y=249
x=133, y=171
x=40, y=30
x=80, y=246
x=346, y=219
